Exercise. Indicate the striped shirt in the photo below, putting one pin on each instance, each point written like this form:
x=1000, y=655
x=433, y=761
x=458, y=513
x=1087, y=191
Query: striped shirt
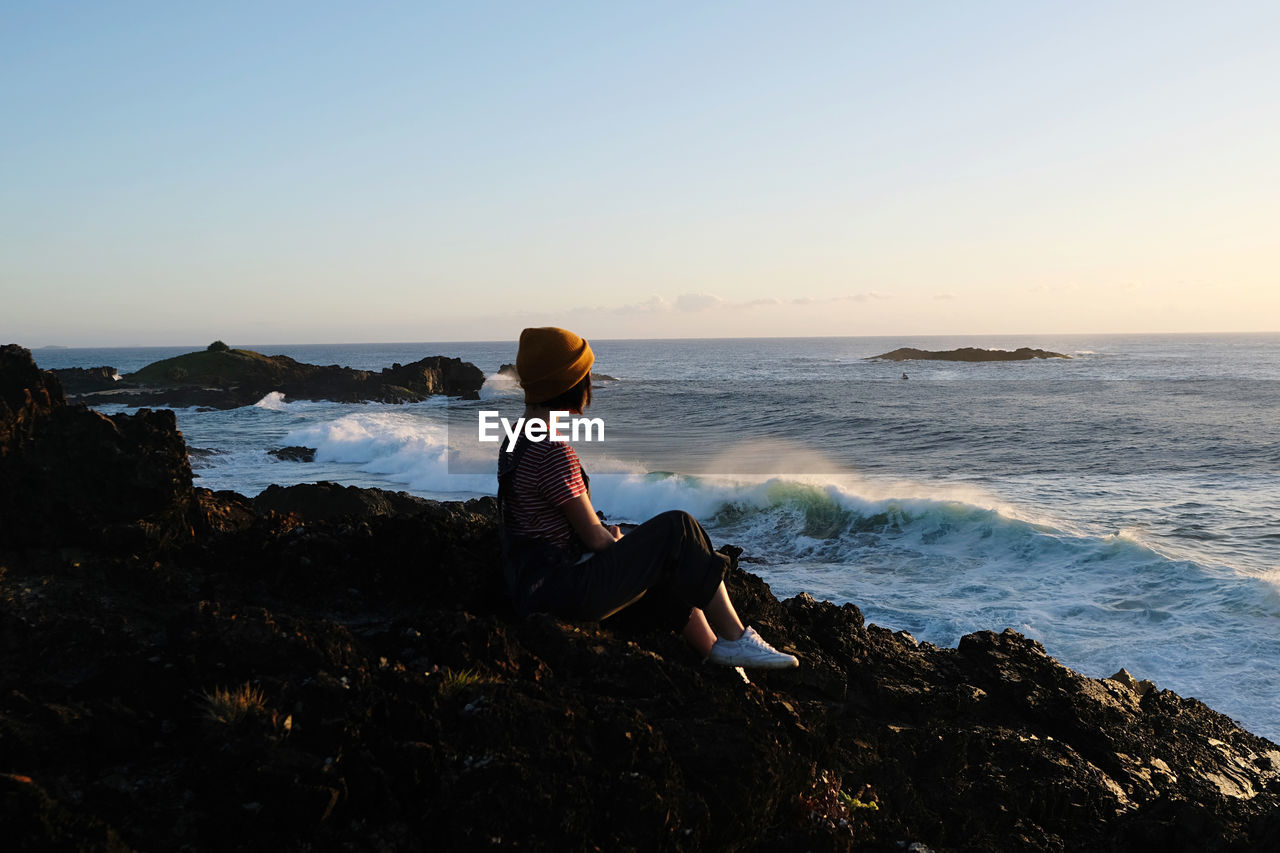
x=549, y=475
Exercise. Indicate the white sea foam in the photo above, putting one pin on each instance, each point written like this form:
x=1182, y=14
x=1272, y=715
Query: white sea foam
x=499, y=386
x=404, y=447
x=274, y=401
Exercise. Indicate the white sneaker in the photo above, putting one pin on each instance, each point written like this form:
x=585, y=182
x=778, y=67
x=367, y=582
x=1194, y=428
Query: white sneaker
x=752, y=651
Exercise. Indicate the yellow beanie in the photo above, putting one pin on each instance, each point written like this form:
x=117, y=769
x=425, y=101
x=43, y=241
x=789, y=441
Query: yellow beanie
x=550, y=361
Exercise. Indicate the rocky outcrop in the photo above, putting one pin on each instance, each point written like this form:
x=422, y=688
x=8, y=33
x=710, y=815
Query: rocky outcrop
x=333, y=668
x=74, y=478
x=967, y=354
x=81, y=380
x=324, y=501
x=229, y=378
x=294, y=453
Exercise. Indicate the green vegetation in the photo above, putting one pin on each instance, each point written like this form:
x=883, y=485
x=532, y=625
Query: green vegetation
x=217, y=346
x=855, y=803
x=211, y=367
x=454, y=681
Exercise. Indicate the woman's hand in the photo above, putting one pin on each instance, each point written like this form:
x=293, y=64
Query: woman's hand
x=582, y=515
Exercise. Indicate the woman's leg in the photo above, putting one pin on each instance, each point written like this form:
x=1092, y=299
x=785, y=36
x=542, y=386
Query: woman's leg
x=722, y=616
x=669, y=562
x=698, y=634
x=718, y=619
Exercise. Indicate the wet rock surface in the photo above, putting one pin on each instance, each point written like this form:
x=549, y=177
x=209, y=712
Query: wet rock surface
x=335, y=668
x=294, y=453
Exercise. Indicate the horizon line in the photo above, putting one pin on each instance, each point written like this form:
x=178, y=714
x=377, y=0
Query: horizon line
x=671, y=338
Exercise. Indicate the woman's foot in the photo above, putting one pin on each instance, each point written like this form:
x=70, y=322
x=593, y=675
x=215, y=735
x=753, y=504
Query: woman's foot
x=751, y=651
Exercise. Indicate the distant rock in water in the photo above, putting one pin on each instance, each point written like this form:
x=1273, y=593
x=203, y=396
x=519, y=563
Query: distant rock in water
x=967, y=354
x=294, y=453
x=229, y=378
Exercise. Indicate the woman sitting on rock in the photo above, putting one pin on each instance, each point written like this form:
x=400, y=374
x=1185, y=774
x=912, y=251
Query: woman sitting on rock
x=559, y=558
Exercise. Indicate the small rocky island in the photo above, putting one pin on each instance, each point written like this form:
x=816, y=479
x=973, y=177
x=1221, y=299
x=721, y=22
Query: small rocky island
x=332, y=668
x=966, y=354
x=224, y=378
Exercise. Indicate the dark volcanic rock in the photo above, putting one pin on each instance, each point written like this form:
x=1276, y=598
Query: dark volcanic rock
x=294, y=453
x=79, y=380
x=968, y=354
x=324, y=500
x=74, y=477
x=429, y=376
x=326, y=667
x=231, y=378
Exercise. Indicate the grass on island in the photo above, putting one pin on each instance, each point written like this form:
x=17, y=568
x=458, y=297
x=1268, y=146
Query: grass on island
x=210, y=367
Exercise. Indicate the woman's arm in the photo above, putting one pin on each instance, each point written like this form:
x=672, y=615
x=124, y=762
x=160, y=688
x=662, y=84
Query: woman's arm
x=582, y=515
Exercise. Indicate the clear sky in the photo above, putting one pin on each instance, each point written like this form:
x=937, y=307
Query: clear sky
x=284, y=172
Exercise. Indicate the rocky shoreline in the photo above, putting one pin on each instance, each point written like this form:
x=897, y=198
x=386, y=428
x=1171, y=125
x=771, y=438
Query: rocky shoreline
x=224, y=378
x=325, y=667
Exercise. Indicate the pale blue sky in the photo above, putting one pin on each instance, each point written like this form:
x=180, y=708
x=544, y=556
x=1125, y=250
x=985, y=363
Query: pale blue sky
x=171, y=173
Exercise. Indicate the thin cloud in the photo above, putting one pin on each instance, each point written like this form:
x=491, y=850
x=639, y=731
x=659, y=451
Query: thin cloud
x=862, y=297
x=694, y=302
x=700, y=302
x=653, y=305
x=866, y=296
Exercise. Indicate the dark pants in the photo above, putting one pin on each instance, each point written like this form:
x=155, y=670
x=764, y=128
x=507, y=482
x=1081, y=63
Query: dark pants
x=665, y=567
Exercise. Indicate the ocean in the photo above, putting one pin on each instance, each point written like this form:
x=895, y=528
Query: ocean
x=1122, y=507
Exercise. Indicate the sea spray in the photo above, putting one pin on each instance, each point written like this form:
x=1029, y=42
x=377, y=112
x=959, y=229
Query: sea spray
x=274, y=402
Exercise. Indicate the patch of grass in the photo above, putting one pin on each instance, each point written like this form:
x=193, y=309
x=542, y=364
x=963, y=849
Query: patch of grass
x=232, y=706
x=454, y=681
x=853, y=803
x=209, y=367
